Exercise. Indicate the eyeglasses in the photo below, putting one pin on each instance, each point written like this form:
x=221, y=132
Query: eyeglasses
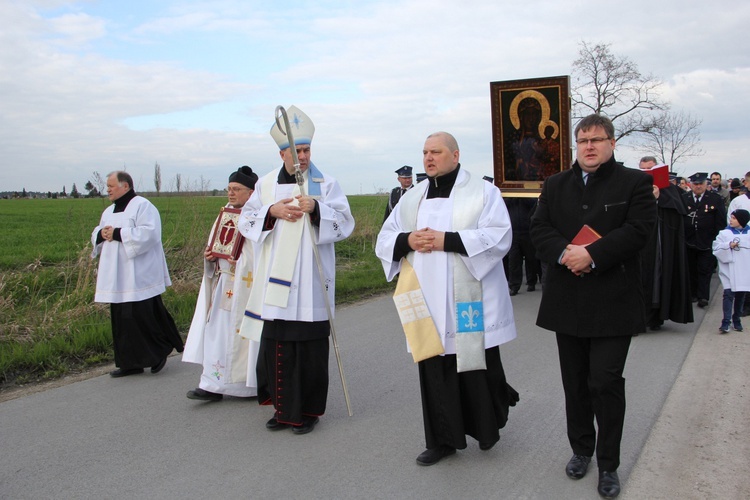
x=594, y=140
x=232, y=189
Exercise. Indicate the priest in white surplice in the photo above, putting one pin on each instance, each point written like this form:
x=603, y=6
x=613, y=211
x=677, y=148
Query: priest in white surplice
x=228, y=359
x=453, y=230
x=287, y=310
x=131, y=277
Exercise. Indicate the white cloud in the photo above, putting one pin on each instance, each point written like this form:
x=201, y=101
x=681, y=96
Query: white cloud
x=193, y=84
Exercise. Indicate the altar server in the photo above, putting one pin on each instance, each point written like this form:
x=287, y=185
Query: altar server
x=131, y=278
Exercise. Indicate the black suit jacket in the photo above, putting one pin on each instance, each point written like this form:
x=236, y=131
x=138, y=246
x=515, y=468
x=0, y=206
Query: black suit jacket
x=618, y=203
x=704, y=219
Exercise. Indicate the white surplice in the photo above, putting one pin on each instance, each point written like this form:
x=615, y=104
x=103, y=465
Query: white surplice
x=228, y=359
x=306, y=301
x=134, y=269
x=734, y=264
x=485, y=245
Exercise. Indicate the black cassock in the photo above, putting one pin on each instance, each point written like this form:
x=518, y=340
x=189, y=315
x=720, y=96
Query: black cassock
x=666, y=277
x=143, y=332
x=473, y=403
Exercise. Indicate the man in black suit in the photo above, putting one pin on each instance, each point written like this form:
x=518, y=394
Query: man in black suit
x=405, y=181
x=706, y=216
x=593, y=297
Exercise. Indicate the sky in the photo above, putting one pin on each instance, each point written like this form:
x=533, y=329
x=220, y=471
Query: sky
x=96, y=86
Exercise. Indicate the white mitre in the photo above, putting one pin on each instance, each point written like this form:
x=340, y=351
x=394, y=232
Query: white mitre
x=301, y=125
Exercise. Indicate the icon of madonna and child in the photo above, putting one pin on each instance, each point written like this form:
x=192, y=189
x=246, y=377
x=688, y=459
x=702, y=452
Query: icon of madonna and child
x=531, y=148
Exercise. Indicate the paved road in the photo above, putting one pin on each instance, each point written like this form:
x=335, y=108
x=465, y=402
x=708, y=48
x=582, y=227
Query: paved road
x=140, y=437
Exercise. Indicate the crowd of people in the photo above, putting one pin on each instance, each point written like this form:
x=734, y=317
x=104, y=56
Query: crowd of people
x=603, y=241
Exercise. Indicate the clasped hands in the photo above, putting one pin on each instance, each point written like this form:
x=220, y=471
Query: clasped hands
x=286, y=209
x=108, y=232
x=577, y=259
x=426, y=240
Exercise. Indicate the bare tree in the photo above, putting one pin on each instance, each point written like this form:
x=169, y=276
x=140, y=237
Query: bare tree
x=178, y=181
x=98, y=182
x=157, y=178
x=677, y=137
x=613, y=86
x=204, y=183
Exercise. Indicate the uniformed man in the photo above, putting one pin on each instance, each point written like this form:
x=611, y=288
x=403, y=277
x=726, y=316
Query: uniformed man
x=405, y=181
x=705, y=217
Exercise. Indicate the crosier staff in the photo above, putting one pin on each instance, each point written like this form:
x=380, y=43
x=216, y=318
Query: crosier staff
x=287, y=131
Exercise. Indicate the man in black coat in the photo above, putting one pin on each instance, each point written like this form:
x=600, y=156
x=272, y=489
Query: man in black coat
x=706, y=216
x=522, y=254
x=666, y=279
x=593, y=298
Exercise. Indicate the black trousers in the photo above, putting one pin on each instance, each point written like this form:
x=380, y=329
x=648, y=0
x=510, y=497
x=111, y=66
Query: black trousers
x=594, y=388
x=701, y=265
x=522, y=252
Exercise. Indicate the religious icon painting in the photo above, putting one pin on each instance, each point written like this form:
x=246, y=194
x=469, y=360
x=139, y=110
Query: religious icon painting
x=226, y=241
x=530, y=132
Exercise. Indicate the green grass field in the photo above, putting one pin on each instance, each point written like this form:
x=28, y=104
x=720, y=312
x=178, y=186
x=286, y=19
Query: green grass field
x=49, y=324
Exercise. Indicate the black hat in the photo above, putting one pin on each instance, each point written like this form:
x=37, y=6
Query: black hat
x=245, y=176
x=404, y=171
x=742, y=216
x=698, y=177
x=488, y=179
x=736, y=184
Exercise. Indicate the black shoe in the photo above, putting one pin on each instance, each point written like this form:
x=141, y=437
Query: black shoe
x=124, y=373
x=609, y=484
x=655, y=328
x=487, y=446
x=702, y=303
x=432, y=456
x=158, y=366
x=512, y=292
x=275, y=425
x=203, y=395
x=308, y=424
x=577, y=466
x=531, y=288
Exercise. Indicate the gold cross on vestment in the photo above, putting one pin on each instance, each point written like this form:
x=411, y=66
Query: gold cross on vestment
x=248, y=279
x=229, y=293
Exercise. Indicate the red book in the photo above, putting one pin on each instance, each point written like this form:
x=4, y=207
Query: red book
x=585, y=236
x=660, y=175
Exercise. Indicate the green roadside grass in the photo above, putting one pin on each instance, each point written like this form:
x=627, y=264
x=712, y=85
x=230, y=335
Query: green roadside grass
x=49, y=323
